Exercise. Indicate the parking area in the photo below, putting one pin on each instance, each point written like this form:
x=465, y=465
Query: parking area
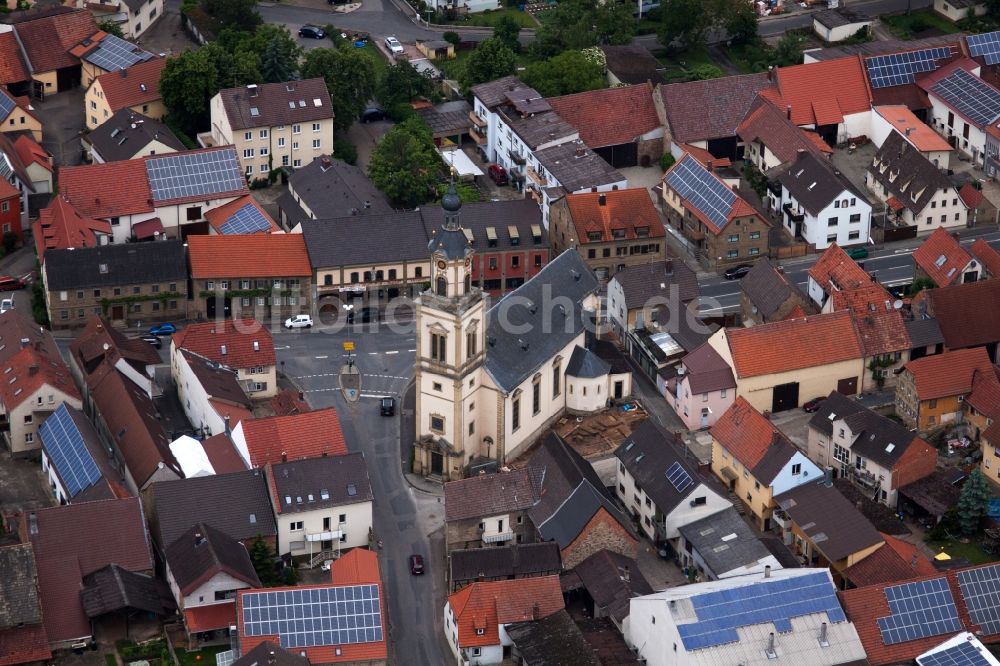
x=64, y=119
x=22, y=485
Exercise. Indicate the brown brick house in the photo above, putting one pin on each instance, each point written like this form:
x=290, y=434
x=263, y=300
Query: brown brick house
x=490, y=510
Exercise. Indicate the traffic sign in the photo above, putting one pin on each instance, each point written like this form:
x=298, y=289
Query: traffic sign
x=348, y=346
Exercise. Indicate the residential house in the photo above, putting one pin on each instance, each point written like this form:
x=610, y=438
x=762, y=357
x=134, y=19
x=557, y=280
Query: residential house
x=895, y=560
x=332, y=188
x=157, y=199
x=612, y=230
x=772, y=140
x=136, y=88
x=265, y=123
x=524, y=560
x=948, y=88
x=766, y=295
x=36, y=162
x=490, y=509
x=989, y=258
x=237, y=504
x=35, y=382
x=721, y=225
x=814, y=632
x=552, y=640
x=820, y=205
x=46, y=38
x=703, y=388
x=574, y=508
x=204, y=568
x=134, y=17
x=964, y=643
x=916, y=192
x=836, y=26
x=630, y=65
x=943, y=261
x=102, y=52
x=14, y=74
x=126, y=283
x=930, y=390
x=241, y=216
x=639, y=294
x=211, y=394
x=269, y=274
x=900, y=120
x=128, y=135
x=756, y=461
x=966, y=315
x=16, y=172
x=834, y=271
x=487, y=98
x=100, y=343
x=242, y=345
x=214, y=455
x=74, y=460
x=722, y=546
x=476, y=616
x=989, y=440
x=357, y=574
x=876, y=453
x=95, y=536
x=21, y=628
x=567, y=168
x=16, y=115
x=781, y=365
x=61, y=227
x=956, y=10
x=606, y=583
x=982, y=406
x=278, y=439
x=10, y=210
x=322, y=505
x=619, y=123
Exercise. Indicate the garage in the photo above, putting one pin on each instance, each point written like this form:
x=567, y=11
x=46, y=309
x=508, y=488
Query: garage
x=785, y=397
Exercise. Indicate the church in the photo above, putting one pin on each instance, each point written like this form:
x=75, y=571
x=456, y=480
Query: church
x=491, y=380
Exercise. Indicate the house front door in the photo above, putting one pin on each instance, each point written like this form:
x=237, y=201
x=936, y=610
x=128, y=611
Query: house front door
x=704, y=417
x=117, y=312
x=437, y=463
x=848, y=386
x=619, y=388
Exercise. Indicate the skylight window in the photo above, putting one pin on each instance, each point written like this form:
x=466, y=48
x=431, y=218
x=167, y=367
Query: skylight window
x=939, y=262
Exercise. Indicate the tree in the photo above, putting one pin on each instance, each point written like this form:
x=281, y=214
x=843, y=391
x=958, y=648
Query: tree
x=566, y=73
x=110, y=27
x=788, y=51
x=973, y=503
x=577, y=24
x=275, y=65
x=452, y=38
x=490, y=60
x=276, y=37
x=741, y=22
x=684, y=24
x=507, y=31
x=667, y=161
x=262, y=558
x=350, y=78
x=401, y=83
x=405, y=165
x=238, y=14
x=704, y=71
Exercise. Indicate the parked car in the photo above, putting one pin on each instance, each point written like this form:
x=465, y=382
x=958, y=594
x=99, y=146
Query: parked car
x=857, y=252
x=416, y=565
x=813, y=404
x=737, y=272
x=388, y=406
x=361, y=316
x=312, y=31
x=299, y=321
x=372, y=114
x=393, y=45
x=497, y=174
x=6, y=304
x=8, y=283
x=153, y=340
x=163, y=329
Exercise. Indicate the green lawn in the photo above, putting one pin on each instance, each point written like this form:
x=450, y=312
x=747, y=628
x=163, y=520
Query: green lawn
x=489, y=19
x=207, y=656
x=914, y=24
x=378, y=60
x=677, y=66
x=970, y=551
x=453, y=67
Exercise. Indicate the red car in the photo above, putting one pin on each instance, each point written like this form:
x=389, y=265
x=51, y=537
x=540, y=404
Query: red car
x=8, y=283
x=498, y=174
x=813, y=405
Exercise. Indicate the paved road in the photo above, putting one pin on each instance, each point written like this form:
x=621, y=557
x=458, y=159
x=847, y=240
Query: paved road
x=892, y=267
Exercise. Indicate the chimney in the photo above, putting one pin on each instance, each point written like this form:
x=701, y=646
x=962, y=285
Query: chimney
x=913, y=561
x=535, y=611
x=828, y=476
x=33, y=369
x=908, y=130
x=302, y=396
x=270, y=655
x=770, y=644
x=32, y=523
x=708, y=165
x=767, y=571
x=284, y=456
x=325, y=163
x=602, y=200
x=579, y=152
x=226, y=419
x=822, y=636
x=25, y=342
x=788, y=111
x=124, y=73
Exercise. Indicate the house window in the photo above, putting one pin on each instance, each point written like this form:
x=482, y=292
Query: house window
x=796, y=469
x=193, y=213
x=932, y=404
x=439, y=347
x=732, y=254
x=437, y=423
x=296, y=129
x=437, y=386
x=29, y=437
x=248, y=136
x=493, y=263
x=296, y=526
x=515, y=261
x=855, y=218
x=754, y=235
x=556, y=372
x=734, y=238
x=263, y=134
x=247, y=152
x=536, y=395
x=515, y=413
x=315, y=144
x=754, y=251
x=296, y=163
x=315, y=127
x=281, y=142
x=264, y=152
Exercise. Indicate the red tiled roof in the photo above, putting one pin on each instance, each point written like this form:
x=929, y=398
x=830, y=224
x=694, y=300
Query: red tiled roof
x=222, y=454
x=807, y=89
x=985, y=396
x=238, y=337
x=817, y=141
x=289, y=402
x=357, y=567
x=895, y=204
x=864, y=605
x=948, y=374
x=895, y=560
x=8, y=191
x=308, y=435
x=249, y=256
x=967, y=313
x=971, y=197
x=706, y=157
x=729, y=98
x=47, y=40
x=609, y=116
x=835, y=267
x=219, y=216
x=112, y=189
x=30, y=152
x=795, y=344
x=745, y=433
x=629, y=209
x=207, y=618
x=12, y=69
x=60, y=226
x=987, y=256
x=882, y=332
x=147, y=228
x=795, y=313
x=23, y=645
x=140, y=86
x=486, y=605
x=770, y=125
x=235, y=413
x=28, y=371
x=870, y=297
x=920, y=135
x=941, y=257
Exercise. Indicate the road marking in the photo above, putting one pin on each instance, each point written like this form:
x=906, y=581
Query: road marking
x=372, y=353
x=378, y=395
x=322, y=390
x=386, y=376
x=321, y=356
x=325, y=374
x=394, y=351
x=281, y=348
x=411, y=350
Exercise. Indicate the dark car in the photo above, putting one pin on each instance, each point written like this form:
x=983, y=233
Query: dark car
x=312, y=31
x=498, y=174
x=813, y=405
x=362, y=316
x=8, y=283
x=372, y=114
x=153, y=340
x=856, y=253
x=416, y=565
x=737, y=272
x=388, y=406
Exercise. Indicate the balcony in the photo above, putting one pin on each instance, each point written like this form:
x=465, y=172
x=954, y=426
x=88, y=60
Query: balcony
x=517, y=158
x=538, y=179
x=794, y=217
x=476, y=120
x=478, y=138
x=498, y=537
x=781, y=519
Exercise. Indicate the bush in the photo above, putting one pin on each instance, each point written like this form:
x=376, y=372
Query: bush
x=130, y=651
x=38, y=309
x=667, y=161
x=9, y=242
x=345, y=150
x=400, y=112
x=452, y=37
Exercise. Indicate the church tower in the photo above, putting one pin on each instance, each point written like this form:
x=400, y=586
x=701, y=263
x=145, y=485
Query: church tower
x=450, y=333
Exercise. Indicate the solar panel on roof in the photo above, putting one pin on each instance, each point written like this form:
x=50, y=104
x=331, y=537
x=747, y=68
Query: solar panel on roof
x=706, y=193
x=971, y=96
x=114, y=53
x=68, y=453
x=225, y=658
x=678, y=477
x=721, y=613
x=963, y=654
x=981, y=591
x=7, y=104
x=247, y=220
x=201, y=174
x=317, y=616
x=986, y=45
x=897, y=69
x=918, y=610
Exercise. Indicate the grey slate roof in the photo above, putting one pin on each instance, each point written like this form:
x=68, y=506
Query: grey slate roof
x=815, y=183
x=270, y=654
x=924, y=332
x=835, y=406
x=273, y=104
x=707, y=371
x=632, y=64
x=365, y=239
x=766, y=288
x=448, y=118
x=565, y=525
x=477, y=217
x=577, y=167
x=585, y=364
x=203, y=551
x=552, y=641
x=604, y=575
x=18, y=591
x=778, y=454
x=513, y=357
x=880, y=47
x=236, y=504
x=642, y=283
x=114, y=588
x=493, y=93
x=124, y=264
x=344, y=480
x=333, y=188
x=647, y=454
x=126, y=133
x=451, y=243
x=539, y=128
x=907, y=171
x=512, y=561
x=829, y=519
x=831, y=18
x=874, y=432
x=721, y=556
x=219, y=382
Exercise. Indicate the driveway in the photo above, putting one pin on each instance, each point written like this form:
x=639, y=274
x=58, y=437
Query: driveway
x=64, y=117
x=365, y=136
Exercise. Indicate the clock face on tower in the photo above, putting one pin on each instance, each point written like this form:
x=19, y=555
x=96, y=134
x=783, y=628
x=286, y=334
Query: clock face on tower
x=442, y=265
x=467, y=262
